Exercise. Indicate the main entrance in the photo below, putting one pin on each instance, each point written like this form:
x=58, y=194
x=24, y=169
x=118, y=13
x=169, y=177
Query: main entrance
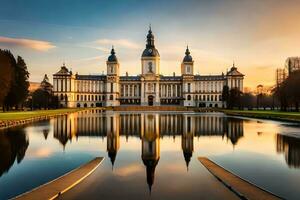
x=150, y=100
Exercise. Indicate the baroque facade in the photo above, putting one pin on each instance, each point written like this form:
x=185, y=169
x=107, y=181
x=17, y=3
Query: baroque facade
x=147, y=89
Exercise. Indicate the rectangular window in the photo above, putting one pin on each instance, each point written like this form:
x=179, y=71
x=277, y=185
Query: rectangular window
x=189, y=87
x=188, y=70
x=111, y=87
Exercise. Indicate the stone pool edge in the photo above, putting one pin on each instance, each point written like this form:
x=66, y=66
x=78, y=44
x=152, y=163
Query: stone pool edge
x=241, y=187
x=60, y=185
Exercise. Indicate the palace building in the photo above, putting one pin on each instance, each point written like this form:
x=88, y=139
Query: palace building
x=148, y=88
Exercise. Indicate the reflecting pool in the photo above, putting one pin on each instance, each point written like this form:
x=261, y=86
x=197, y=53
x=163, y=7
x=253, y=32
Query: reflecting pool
x=151, y=155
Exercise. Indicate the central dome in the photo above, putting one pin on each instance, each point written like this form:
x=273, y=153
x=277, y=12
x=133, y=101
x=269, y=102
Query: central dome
x=150, y=50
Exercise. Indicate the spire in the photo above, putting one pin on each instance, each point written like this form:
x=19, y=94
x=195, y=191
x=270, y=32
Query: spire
x=112, y=52
x=233, y=66
x=150, y=38
x=187, y=51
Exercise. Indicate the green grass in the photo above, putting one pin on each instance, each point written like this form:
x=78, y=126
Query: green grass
x=20, y=115
x=266, y=114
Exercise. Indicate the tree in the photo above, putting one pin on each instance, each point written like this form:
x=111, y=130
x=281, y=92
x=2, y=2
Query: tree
x=288, y=92
x=248, y=100
x=19, y=83
x=40, y=99
x=21, y=80
x=234, y=99
x=6, y=74
x=225, y=94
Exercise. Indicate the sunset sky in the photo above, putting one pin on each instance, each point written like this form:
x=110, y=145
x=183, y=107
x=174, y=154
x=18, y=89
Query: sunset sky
x=258, y=35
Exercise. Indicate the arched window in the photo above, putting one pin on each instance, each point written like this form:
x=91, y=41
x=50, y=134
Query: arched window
x=189, y=97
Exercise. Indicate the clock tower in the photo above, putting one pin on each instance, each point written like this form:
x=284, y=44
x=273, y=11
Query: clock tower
x=150, y=57
x=150, y=73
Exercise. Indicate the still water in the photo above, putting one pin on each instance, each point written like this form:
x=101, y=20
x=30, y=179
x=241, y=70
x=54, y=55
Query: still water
x=151, y=155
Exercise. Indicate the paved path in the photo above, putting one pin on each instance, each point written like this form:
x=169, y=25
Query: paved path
x=244, y=189
x=62, y=184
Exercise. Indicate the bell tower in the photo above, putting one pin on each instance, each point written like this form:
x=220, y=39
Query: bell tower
x=187, y=65
x=150, y=73
x=112, y=80
x=187, y=72
x=150, y=56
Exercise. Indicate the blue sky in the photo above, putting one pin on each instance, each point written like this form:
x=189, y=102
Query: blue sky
x=257, y=35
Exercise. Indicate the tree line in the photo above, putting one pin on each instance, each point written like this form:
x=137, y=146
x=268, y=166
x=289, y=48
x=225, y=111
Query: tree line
x=14, y=81
x=285, y=96
x=14, y=86
x=288, y=92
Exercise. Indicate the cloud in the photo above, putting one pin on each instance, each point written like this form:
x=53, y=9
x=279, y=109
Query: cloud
x=119, y=42
x=27, y=43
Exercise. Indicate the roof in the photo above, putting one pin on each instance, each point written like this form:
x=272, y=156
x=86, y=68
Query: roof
x=112, y=57
x=209, y=77
x=91, y=77
x=234, y=72
x=63, y=71
x=150, y=52
x=130, y=78
x=187, y=57
x=170, y=78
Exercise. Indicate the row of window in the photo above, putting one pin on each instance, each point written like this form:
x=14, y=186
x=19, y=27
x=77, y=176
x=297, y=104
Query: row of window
x=205, y=97
x=206, y=87
x=88, y=97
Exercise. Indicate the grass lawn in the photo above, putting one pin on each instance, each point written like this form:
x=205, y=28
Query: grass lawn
x=19, y=115
x=266, y=114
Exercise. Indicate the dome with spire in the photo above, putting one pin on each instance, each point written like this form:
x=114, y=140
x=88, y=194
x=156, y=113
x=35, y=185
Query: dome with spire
x=150, y=50
x=112, y=57
x=187, y=57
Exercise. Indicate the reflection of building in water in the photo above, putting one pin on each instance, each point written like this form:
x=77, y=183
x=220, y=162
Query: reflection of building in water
x=234, y=129
x=95, y=124
x=13, y=146
x=46, y=133
x=217, y=125
x=85, y=123
x=187, y=139
x=130, y=124
x=290, y=146
x=150, y=144
x=113, y=138
x=170, y=124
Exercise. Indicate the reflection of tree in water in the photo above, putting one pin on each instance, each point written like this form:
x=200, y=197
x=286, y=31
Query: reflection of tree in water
x=13, y=146
x=290, y=146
